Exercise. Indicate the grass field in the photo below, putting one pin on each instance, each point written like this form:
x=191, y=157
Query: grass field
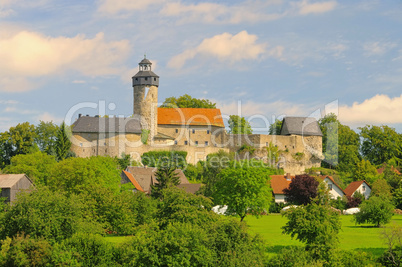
x=351, y=237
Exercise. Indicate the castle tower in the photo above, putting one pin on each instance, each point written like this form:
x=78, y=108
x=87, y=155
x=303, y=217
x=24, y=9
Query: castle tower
x=145, y=87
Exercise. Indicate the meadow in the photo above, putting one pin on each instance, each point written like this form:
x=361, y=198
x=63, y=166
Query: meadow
x=351, y=237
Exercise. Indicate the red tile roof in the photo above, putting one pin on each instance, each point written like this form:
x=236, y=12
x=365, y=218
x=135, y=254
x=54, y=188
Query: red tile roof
x=278, y=183
x=352, y=187
x=190, y=116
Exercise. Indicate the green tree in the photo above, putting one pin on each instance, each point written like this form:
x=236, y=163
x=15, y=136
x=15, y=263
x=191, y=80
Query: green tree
x=63, y=143
x=45, y=138
x=17, y=140
x=186, y=101
x=167, y=177
x=36, y=166
x=244, y=188
x=364, y=170
x=380, y=144
x=315, y=225
x=275, y=128
x=48, y=214
x=381, y=188
x=239, y=125
x=375, y=210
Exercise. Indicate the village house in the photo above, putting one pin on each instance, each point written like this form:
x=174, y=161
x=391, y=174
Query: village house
x=358, y=186
x=142, y=179
x=12, y=184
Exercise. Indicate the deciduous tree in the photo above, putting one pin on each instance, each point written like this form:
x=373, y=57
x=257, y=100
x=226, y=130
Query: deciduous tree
x=239, y=125
x=375, y=210
x=186, y=101
x=244, y=189
x=275, y=128
x=302, y=189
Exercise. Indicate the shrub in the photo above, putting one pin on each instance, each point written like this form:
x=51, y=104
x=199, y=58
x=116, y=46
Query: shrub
x=164, y=158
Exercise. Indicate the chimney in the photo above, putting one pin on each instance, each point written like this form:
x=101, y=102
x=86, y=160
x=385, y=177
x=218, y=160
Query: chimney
x=288, y=178
x=79, y=115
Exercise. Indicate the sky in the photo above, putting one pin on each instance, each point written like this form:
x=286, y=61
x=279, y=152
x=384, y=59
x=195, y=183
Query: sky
x=259, y=59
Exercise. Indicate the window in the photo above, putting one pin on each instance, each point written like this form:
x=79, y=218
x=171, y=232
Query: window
x=193, y=131
x=80, y=144
x=177, y=130
x=364, y=188
x=146, y=78
x=207, y=131
x=206, y=143
x=175, y=142
x=154, y=79
x=196, y=143
x=136, y=79
x=185, y=142
x=266, y=143
x=330, y=186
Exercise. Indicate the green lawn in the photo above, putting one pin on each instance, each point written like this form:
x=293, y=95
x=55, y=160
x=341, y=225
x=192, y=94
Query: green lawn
x=356, y=237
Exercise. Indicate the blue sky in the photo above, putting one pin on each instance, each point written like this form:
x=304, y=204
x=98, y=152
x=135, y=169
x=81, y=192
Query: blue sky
x=266, y=59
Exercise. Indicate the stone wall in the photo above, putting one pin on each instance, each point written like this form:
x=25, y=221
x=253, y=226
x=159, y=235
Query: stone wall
x=146, y=106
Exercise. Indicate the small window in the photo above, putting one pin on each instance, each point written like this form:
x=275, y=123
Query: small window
x=330, y=186
x=177, y=130
x=193, y=130
x=136, y=79
x=364, y=188
x=146, y=78
x=175, y=142
x=207, y=131
x=80, y=144
x=206, y=143
x=196, y=142
x=266, y=143
x=185, y=142
x=154, y=79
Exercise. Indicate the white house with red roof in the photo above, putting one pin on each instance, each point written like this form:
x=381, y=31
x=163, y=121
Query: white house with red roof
x=359, y=186
x=335, y=190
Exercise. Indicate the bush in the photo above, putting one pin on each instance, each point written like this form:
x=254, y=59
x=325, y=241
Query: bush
x=375, y=210
x=338, y=203
x=276, y=207
x=293, y=256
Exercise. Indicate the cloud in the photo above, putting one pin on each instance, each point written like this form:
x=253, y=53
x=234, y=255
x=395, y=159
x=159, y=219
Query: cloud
x=26, y=55
x=7, y=7
x=47, y=117
x=225, y=47
x=380, y=109
x=305, y=7
x=249, y=11
x=113, y=7
x=377, y=48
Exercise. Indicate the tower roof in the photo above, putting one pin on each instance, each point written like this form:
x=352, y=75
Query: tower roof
x=145, y=61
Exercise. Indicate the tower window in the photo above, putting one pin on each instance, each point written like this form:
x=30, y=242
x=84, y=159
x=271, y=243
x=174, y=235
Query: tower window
x=177, y=130
x=136, y=79
x=154, y=79
x=193, y=130
x=146, y=78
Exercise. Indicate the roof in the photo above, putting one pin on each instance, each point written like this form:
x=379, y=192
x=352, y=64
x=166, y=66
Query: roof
x=332, y=180
x=190, y=188
x=145, y=177
x=9, y=180
x=190, y=116
x=145, y=73
x=352, y=187
x=305, y=126
x=145, y=61
x=279, y=183
x=133, y=181
x=87, y=124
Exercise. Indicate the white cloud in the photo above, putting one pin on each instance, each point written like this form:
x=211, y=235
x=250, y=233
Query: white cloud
x=249, y=11
x=305, y=7
x=380, y=109
x=27, y=55
x=7, y=7
x=226, y=47
x=47, y=117
x=117, y=6
x=377, y=48
x=79, y=81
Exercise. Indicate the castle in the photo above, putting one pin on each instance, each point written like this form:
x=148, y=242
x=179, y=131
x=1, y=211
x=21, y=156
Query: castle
x=198, y=131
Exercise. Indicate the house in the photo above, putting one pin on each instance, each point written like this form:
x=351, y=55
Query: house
x=142, y=178
x=382, y=169
x=358, y=186
x=278, y=184
x=12, y=184
x=335, y=190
